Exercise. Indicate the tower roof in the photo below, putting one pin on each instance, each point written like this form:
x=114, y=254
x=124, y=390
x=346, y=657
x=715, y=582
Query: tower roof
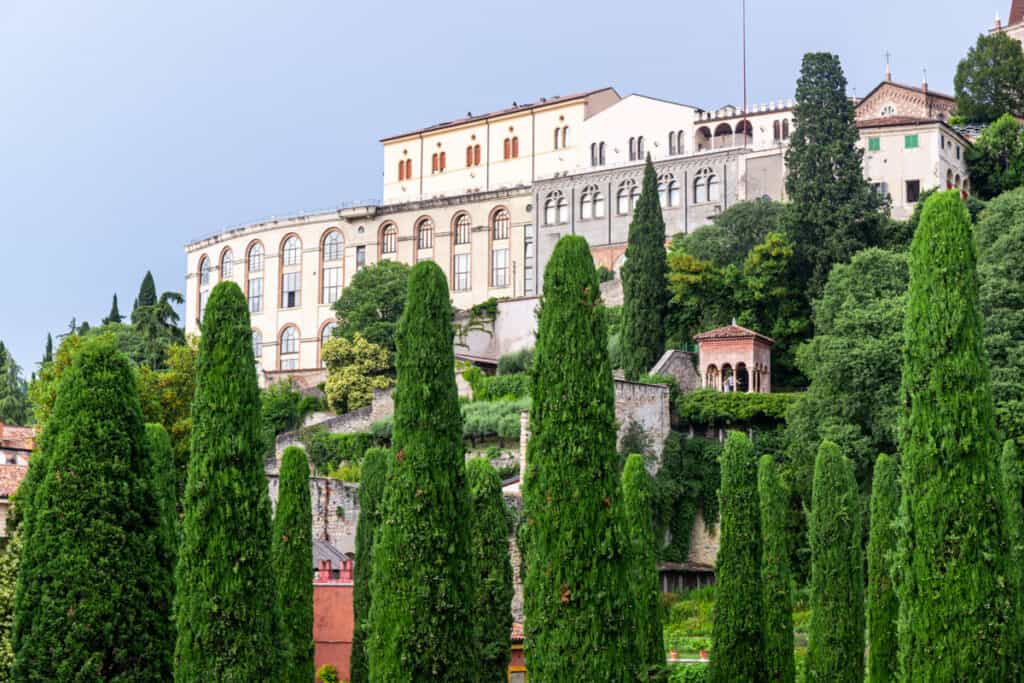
x=1016, y=12
x=733, y=331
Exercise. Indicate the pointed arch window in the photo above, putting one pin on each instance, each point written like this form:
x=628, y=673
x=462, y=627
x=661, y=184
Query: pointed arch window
x=425, y=234
x=626, y=197
x=556, y=208
x=500, y=224
x=227, y=264
x=591, y=203
x=388, y=239
x=705, y=186
x=291, y=251
x=463, y=227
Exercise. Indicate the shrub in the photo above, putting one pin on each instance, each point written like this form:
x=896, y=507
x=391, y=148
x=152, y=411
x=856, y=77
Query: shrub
x=775, y=574
x=328, y=674
x=328, y=451
x=515, y=362
x=710, y=407
x=883, y=605
x=371, y=489
x=689, y=673
x=346, y=471
x=637, y=488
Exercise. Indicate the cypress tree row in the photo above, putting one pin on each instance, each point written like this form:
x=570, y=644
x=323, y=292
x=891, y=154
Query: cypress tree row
x=637, y=490
x=421, y=625
x=775, y=574
x=225, y=608
x=835, y=652
x=1010, y=469
x=490, y=527
x=98, y=599
x=576, y=591
x=292, y=558
x=644, y=284
x=372, y=475
x=883, y=606
x=954, y=609
x=165, y=491
x=737, y=650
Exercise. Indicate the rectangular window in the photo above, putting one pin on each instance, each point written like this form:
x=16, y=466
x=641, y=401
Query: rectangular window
x=874, y=144
x=290, y=290
x=255, y=295
x=461, y=280
x=881, y=188
x=332, y=285
x=958, y=151
x=529, y=259
x=913, y=191
x=499, y=268
x=910, y=141
x=360, y=258
x=204, y=296
x=289, y=363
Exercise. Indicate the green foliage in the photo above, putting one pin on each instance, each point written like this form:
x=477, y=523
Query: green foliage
x=733, y=233
x=738, y=653
x=989, y=81
x=94, y=589
x=327, y=451
x=883, y=606
x=15, y=408
x=952, y=546
x=355, y=367
x=279, y=407
x=835, y=652
x=346, y=471
x=371, y=490
x=637, y=493
x=605, y=275
x=1013, y=512
x=328, y=674
x=833, y=211
x=645, y=297
x=775, y=574
x=165, y=493
x=689, y=673
x=156, y=322
x=422, y=590
x=711, y=407
x=115, y=315
x=576, y=593
x=292, y=549
x=497, y=387
x=687, y=481
x=9, y=561
x=483, y=419
x=492, y=571
x=48, y=352
x=147, y=292
x=515, y=362
x=373, y=303
x=996, y=159
x=227, y=619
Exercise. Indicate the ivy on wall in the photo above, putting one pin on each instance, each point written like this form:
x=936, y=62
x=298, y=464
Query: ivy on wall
x=687, y=481
x=710, y=407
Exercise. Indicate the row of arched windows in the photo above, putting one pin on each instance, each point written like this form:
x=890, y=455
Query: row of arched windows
x=592, y=201
x=597, y=157
x=512, y=147
x=473, y=155
x=636, y=148
x=675, y=142
x=404, y=169
x=288, y=344
x=438, y=162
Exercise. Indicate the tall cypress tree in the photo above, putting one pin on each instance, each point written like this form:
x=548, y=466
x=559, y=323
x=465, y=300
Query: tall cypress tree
x=147, y=292
x=100, y=599
x=833, y=211
x=637, y=491
x=576, y=591
x=48, y=352
x=883, y=605
x=1013, y=486
x=292, y=550
x=490, y=527
x=115, y=315
x=737, y=650
x=835, y=652
x=371, y=489
x=225, y=606
x=165, y=491
x=644, y=283
x=421, y=624
x=775, y=573
x=954, y=609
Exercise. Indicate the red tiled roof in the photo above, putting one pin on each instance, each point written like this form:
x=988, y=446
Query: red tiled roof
x=10, y=478
x=17, y=438
x=731, y=332
x=517, y=633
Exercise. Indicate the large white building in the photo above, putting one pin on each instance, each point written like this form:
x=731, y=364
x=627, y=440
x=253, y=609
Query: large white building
x=487, y=197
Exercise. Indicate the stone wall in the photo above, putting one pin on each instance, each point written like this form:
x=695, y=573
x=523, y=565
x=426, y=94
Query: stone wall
x=703, y=543
x=335, y=509
x=683, y=366
x=646, y=404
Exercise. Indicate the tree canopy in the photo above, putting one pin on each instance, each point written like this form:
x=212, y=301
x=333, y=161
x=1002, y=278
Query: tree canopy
x=996, y=159
x=373, y=303
x=989, y=81
x=355, y=367
x=15, y=407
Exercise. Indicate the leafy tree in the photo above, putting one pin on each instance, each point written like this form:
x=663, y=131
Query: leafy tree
x=996, y=159
x=576, y=591
x=645, y=297
x=738, y=641
x=115, y=315
x=775, y=574
x=490, y=527
x=225, y=608
x=292, y=550
x=637, y=492
x=355, y=367
x=280, y=408
x=989, y=81
x=373, y=303
x=99, y=610
x=833, y=212
x=835, y=651
x=422, y=589
x=166, y=397
x=702, y=294
x=371, y=490
x=952, y=545
x=15, y=408
x=883, y=605
x=733, y=233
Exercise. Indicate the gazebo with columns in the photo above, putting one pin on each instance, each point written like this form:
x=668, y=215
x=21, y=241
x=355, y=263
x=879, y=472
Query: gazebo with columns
x=733, y=358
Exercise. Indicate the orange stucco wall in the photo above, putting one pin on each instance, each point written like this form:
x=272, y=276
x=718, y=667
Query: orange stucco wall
x=332, y=626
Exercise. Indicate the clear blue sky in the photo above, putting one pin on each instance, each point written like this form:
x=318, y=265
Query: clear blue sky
x=128, y=128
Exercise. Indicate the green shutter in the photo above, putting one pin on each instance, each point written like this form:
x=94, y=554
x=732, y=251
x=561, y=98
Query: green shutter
x=910, y=142
x=874, y=144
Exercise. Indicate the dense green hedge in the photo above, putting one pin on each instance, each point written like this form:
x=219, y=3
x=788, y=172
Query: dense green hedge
x=710, y=407
x=689, y=673
x=480, y=420
x=497, y=387
x=326, y=451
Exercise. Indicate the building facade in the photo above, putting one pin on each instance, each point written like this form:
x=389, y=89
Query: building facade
x=1014, y=26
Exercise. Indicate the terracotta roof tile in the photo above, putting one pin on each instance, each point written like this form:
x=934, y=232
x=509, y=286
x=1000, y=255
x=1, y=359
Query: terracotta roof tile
x=1016, y=12
x=10, y=478
x=517, y=633
x=731, y=332
x=17, y=438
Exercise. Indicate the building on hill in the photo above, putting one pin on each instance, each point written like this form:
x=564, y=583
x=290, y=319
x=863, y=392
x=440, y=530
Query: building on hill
x=333, y=618
x=733, y=358
x=1014, y=26
x=16, y=446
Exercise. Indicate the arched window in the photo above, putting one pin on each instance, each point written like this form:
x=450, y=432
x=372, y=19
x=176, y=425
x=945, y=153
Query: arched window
x=254, y=277
x=673, y=193
x=444, y=164
x=288, y=351
x=332, y=267
x=388, y=239
x=625, y=198
x=557, y=136
x=563, y=209
x=334, y=246
x=712, y=188
x=949, y=179
x=291, y=251
x=777, y=130
x=591, y=203
x=556, y=208
x=325, y=335
x=702, y=139
x=476, y=155
x=227, y=264
x=255, y=258
x=600, y=154
x=408, y=169
x=462, y=228
x=957, y=182
x=469, y=156
x=640, y=148
x=204, y=271
x=679, y=142
x=515, y=147
x=667, y=185
x=257, y=346
x=593, y=154
x=508, y=148
x=632, y=149
x=785, y=129
x=672, y=142
x=433, y=163
x=565, y=136
x=700, y=186
x=401, y=170
x=500, y=224
x=425, y=234
x=723, y=136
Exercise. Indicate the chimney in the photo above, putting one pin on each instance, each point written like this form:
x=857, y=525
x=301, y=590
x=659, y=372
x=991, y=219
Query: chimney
x=924, y=80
